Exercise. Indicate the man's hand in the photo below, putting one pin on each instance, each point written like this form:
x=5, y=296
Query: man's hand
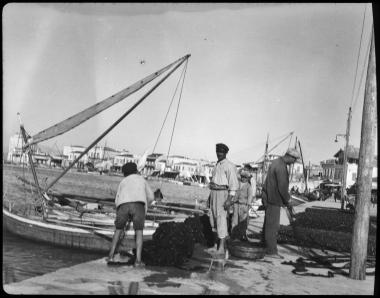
x=291, y=211
x=228, y=202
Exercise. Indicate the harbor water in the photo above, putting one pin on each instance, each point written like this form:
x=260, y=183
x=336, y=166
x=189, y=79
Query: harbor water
x=23, y=259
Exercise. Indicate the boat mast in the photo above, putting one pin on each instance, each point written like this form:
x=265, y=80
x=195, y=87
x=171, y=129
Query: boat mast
x=104, y=150
x=303, y=167
x=292, y=165
x=30, y=158
x=265, y=162
x=266, y=159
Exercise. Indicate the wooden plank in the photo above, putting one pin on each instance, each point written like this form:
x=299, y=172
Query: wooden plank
x=78, y=225
x=180, y=209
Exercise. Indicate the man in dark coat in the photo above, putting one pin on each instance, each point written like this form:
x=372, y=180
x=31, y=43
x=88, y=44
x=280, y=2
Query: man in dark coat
x=275, y=194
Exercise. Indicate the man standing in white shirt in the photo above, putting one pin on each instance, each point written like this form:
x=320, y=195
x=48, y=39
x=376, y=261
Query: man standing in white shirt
x=132, y=199
x=224, y=184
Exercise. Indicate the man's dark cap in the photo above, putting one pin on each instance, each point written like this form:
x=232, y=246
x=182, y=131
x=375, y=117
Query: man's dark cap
x=222, y=147
x=129, y=168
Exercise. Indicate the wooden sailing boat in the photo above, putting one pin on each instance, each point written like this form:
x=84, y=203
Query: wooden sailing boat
x=75, y=228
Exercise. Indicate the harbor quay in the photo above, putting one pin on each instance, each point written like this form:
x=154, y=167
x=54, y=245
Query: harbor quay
x=203, y=275
x=240, y=277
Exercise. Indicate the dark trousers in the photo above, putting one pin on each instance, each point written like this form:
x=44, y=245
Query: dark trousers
x=271, y=227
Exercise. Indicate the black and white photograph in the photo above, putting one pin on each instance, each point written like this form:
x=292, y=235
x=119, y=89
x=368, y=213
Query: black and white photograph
x=162, y=148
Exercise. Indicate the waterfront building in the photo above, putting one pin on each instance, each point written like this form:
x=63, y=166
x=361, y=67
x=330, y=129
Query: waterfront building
x=333, y=168
x=98, y=153
x=185, y=168
x=15, y=154
x=150, y=165
x=314, y=170
x=122, y=158
x=56, y=160
x=205, y=168
x=41, y=159
x=71, y=153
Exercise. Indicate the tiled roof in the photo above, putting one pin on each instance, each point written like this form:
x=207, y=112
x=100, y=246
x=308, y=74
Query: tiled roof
x=186, y=163
x=154, y=155
x=177, y=156
x=109, y=149
x=352, y=152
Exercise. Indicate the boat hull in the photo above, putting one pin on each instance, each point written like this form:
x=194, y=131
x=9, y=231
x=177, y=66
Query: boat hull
x=70, y=237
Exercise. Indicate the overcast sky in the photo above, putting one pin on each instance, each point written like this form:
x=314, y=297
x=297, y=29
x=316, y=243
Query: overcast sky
x=255, y=69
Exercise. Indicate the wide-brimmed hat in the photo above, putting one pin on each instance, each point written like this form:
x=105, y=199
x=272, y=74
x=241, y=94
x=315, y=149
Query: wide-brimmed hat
x=293, y=153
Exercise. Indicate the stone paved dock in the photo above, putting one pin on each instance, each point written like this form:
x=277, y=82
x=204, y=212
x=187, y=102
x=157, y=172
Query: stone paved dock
x=239, y=277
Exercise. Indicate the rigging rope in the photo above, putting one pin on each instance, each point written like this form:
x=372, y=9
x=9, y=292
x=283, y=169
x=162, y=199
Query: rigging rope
x=290, y=140
x=362, y=74
x=182, y=77
x=276, y=146
x=167, y=113
x=179, y=100
x=357, y=61
x=116, y=122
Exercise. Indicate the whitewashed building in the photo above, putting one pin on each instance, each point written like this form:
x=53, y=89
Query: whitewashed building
x=71, y=153
x=185, y=168
x=102, y=152
x=122, y=158
x=333, y=168
x=15, y=154
x=150, y=165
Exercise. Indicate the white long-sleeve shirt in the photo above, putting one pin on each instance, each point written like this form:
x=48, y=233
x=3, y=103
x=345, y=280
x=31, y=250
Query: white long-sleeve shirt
x=225, y=173
x=134, y=188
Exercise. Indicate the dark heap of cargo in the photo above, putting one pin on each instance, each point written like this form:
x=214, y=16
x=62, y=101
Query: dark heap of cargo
x=325, y=228
x=239, y=231
x=332, y=219
x=207, y=230
x=173, y=242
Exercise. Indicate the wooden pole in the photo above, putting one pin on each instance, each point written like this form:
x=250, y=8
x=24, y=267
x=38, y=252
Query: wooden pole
x=292, y=165
x=265, y=163
x=345, y=165
x=303, y=167
x=30, y=157
x=365, y=168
